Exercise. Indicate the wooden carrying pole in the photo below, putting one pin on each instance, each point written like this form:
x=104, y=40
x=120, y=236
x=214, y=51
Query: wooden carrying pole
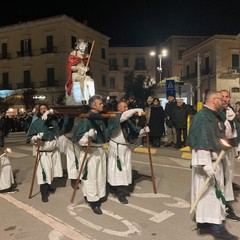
x=81, y=169
x=34, y=170
x=151, y=165
x=205, y=184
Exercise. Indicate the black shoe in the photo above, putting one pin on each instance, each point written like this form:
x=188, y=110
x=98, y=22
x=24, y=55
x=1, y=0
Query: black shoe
x=203, y=228
x=96, y=209
x=220, y=232
x=236, y=187
x=112, y=189
x=9, y=191
x=232, y=216
x=51, y=190
x=73, y=183
x=122, y=198
x=44, y=198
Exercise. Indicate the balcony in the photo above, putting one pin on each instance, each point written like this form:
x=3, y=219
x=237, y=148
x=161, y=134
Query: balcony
x=41, y=84
x=24, y=54
x=5, y=56
x=140, y=67
x=113, y=67
x=48, y=50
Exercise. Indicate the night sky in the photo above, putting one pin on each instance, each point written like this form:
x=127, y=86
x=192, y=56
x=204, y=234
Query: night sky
x=135, y=22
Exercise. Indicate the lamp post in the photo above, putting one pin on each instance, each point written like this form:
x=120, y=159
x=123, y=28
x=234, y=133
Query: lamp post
x=162, y=54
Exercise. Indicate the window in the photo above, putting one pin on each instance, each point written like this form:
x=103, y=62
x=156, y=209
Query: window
x=140, y=64
x=49, y=40
x=235, y=61
x=113, y=64
x=125, y=62
x=104, y=82
x=103, y=53
x=207, y=70
x=50, y=77
x=73, y=42
x=4, y=51
x=26, y=79
x=5, y=80
x=180, y=53
x=235, y=90
x=26, y=48
x=112, y=82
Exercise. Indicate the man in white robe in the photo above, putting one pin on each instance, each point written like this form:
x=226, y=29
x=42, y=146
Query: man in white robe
x=205, y=133
x=122, y=131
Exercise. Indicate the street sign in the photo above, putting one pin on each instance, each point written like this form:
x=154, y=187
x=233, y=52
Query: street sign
x=170, y=88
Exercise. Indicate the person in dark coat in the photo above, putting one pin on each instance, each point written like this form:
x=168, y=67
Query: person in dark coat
x=156, y=123
x=171, y=132
x=179, y=117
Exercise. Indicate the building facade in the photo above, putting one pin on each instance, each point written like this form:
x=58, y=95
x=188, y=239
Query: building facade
x=129, y=59
x=217, y=59
x=34, y=55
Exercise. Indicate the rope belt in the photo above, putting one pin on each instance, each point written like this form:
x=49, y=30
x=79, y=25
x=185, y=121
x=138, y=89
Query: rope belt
x=47, y=150
x=119, y=165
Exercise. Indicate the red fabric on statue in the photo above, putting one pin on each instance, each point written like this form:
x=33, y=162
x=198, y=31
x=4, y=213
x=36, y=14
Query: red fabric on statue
x=72, y=61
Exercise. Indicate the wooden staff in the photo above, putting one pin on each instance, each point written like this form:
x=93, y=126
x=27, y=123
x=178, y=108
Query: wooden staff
x=35, y=169
x=81, y=169
x=205, y=184
x=90, y=54
x=151, y=165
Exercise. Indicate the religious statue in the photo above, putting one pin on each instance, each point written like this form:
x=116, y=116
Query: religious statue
x=80, y=86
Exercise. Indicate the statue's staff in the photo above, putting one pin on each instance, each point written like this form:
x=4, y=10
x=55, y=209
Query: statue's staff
x=35, y=169
x=90, y=53
x=81, y=169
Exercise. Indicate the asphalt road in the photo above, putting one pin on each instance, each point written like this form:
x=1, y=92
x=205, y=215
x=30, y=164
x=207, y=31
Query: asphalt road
x=164, y=215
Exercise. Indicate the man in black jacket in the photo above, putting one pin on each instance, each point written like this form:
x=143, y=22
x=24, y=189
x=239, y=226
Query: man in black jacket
x=171, y=132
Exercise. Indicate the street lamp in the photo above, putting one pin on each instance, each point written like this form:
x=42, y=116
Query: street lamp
x=162, y=54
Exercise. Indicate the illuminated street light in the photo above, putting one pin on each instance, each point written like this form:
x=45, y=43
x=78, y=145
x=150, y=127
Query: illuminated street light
x=162, y=54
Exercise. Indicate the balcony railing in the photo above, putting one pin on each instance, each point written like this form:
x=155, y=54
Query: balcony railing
x=140, y=67
x=113, y=67
x=24, y=54
x=47, y=50
x=5, y=56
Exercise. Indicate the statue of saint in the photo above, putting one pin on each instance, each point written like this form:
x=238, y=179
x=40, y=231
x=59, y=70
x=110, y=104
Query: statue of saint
x=80, y=86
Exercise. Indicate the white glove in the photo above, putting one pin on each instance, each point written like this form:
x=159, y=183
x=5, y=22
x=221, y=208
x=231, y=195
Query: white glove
x=208, y=169
x=139, y=111
x=37, y=137
x=34, y=139
x=147, y=129
x=230, y=114
x=92, y=132
x=84, y=140
x=40, y=135
x=45, y=115
x=129, y=113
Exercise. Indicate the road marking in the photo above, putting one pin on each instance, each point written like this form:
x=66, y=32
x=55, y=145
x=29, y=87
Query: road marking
x=132, y=230
x=180, y=203
x=162, y=165
x=59, y=226
x=157, y=217
x=18, y=155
